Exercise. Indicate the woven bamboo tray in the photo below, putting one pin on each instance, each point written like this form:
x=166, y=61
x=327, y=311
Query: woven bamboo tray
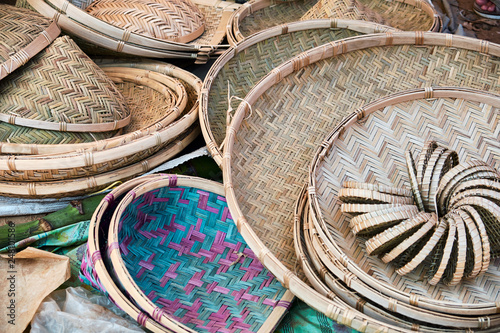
x=150, y=113
x=23, y=34
x=258, y=15
x=174, y=248
x=96, y=264
x=266, y=155
x=471, y=298
x=77, y=22
x=242, y=66
x=86, y=185
x=332, y=287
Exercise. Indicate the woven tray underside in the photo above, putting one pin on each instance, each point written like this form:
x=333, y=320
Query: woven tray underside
x=270, y=162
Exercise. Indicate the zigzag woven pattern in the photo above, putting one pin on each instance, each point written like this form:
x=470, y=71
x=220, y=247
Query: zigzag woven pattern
x=62, y=85
x=169, y=20
x=185, y=253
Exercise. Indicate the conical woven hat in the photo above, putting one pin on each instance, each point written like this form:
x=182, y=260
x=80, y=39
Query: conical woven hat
x=23, y=33
x=62, y=89
x=174, y=20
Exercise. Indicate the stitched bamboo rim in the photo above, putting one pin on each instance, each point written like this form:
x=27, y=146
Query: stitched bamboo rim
x=85, y=185
x=391, y=293
x=331, y=286
x=75, y=21
x=97, y=239
x=168, y=71
x=81, y=163
x=334, y=53
x=340, y=9
x=32, y=44
x=116, y=257
x=213, y=112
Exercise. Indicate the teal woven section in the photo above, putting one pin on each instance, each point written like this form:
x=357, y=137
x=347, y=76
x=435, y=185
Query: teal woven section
x=185, y=253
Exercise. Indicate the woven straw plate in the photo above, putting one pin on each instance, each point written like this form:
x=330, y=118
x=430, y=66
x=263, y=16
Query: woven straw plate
x=175, y=249
x=23, y=34
x=257, y=15
x=77, y=22
x=266, y=156
x=242, y=66
x=438, y=114
x=82, y=163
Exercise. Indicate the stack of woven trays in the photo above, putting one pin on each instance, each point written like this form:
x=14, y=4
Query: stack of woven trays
x=153, y=28
x=382, y=95
x=165, y=249
x=70, y=127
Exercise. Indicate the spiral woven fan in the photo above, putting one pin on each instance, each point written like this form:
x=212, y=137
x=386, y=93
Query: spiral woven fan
x=446, y=217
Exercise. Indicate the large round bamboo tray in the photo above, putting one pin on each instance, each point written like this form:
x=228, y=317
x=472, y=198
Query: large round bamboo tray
x=471, y=298
x=150, y=114
x=258, y=15
x=86, y=185
x=242, y=66
x=23, y=34
x=266, y=155
x=211, y=279
x=332, y=287
x=77, y=22
x=96, y=264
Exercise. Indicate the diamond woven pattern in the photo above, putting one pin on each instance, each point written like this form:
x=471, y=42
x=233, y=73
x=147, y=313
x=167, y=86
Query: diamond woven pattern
x=185, y=253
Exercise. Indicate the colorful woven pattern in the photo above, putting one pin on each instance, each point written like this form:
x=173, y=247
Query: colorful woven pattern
x=186, y=255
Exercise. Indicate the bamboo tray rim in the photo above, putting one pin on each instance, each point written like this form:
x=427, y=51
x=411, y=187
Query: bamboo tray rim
x=418, y=38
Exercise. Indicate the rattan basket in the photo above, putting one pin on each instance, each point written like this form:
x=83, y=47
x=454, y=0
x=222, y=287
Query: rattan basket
x=242, y=66
x=77, y=22
x=23, y=34
x=268, y=149
x=174, y=248
x=443, y=110
x=258, y=15
x=150, y=111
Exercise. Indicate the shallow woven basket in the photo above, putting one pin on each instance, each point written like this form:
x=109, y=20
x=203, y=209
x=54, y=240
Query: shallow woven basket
x=23, y=34
x=86, y=185
x=62, y=89
x=88, y=162
x=258, y=15
x=150, y=110
x=429, y=114
x=77, y=22
x=242, y=66
x=96, y=264
x=174, y=248
x=266, y=155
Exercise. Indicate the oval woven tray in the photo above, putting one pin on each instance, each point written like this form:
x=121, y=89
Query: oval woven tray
x=267, y=155
x=23, y=34
x=62, y=89
x=258, y=15
x=146, y=118
x=103, y=35
x=241, y=67
x=443, y=110
x=174, y=247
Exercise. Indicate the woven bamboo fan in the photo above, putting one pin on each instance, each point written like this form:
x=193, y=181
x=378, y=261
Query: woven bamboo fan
x=258, y=15
x=267, y=154
x=88, y=162
x=198, y=269
x=176, y=20
x=23, y=34
x=153, y=95
x=94, y=31
x=86, y=185
x=241, y=67
x=96, y=266
x=465, y=103
x=62, y=89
